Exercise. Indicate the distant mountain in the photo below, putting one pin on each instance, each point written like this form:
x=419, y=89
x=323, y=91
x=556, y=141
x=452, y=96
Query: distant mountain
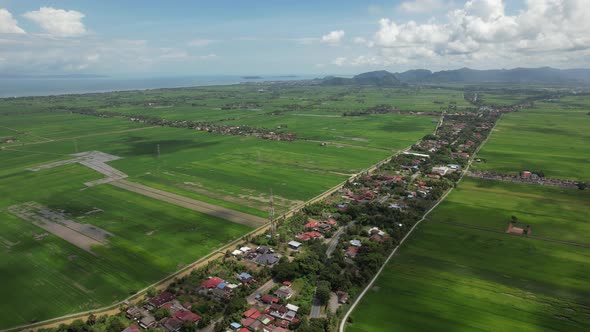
x=413, y=76
x=378, y=78
x=544, y=75
x=375, y=78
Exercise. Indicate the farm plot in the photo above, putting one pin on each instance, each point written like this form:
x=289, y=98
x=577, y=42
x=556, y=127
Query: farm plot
x=551, y=138
x=47, y=276
x=232, y=171
x=449, y=278
x=552, y=213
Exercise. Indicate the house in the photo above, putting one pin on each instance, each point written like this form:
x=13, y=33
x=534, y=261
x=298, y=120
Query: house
x=146, y=320
x=187, y=305
x=171, y=324
x=331, y=222
x=376, y=237
x=246, y=278
x=287, y=283
x=284, y=292
x=352, y=252
x=309, y=235
x=282, y=312
x=268, y=299
x=237, y=252
x=294, y=245
x=440, y=170
x=526, y=174
x=263, y=250
x=342, y=297
x=235, y=326
x=356, y=243
x=252, y=313
x=132, y=328
x=267, y=259
x=159, y=300
x=211, y=283
x=292, y=307
x=186, y=315
x=312, y=224
x=133, y=313
x=245, y=249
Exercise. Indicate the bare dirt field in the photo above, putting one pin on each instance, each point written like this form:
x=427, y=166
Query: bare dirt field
x=83, y=236
x=189, y=203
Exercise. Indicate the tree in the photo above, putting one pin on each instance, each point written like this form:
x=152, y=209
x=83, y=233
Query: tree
x=161, y=313
x=322, y=293
x=582, y=185
x=514, y=219
x=91, y=320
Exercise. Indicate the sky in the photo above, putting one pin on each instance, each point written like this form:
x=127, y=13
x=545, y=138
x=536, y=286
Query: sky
x=279, y=37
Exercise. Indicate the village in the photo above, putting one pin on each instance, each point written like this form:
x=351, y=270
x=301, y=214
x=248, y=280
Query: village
x=303, y=272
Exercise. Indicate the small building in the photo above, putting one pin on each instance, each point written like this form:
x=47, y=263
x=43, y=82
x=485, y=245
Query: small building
x=235, y=326
x=356, y=243
x=342, y=297
x=268, y=299
x=267, y=259
x=211, y=283
x=294, y=245
x=246, y=278
x=284, y=292
x=312, y=224
x=159, y=300
x=351, y=252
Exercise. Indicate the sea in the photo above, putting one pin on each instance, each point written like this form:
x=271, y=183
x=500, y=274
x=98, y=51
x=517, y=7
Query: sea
x=21, y=87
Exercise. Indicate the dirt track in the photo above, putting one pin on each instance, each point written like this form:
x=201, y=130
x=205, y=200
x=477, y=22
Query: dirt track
x=193, y=204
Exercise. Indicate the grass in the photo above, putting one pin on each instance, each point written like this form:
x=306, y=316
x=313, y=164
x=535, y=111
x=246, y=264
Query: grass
x=450, y=278
x=50, y=277
x=554, y=213
x=551, y=137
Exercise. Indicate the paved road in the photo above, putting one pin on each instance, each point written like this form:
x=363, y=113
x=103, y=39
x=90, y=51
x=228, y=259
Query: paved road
x=316, y=308
x=193, y=204
x=262, y=289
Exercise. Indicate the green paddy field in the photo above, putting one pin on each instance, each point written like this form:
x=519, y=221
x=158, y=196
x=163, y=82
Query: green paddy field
x=450, y=276
x=45, y=276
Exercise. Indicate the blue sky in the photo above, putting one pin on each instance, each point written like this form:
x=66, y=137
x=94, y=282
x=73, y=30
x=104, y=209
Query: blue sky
x=132, y=37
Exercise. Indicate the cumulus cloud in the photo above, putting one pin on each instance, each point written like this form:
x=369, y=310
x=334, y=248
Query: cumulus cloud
x=422, y=6
x=58, y=22
x=333, y=37
x=8, y=24
x=483, y=31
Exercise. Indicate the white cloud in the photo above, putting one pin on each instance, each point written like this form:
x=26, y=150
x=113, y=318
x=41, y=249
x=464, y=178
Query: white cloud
x=333, y=37
x=8, y=24
x=58, y=22
x=422, y=6
x=340, y=61
x=483, y=33
x=359, y=40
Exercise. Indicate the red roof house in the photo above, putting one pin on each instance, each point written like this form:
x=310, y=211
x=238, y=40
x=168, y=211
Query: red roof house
x=211, y=283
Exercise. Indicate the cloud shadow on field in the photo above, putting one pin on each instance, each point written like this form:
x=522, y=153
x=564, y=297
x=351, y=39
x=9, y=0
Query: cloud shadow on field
x=137, y=146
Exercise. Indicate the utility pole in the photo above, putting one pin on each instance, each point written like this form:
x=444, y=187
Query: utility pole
x=158, y=150
x=271, y=215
